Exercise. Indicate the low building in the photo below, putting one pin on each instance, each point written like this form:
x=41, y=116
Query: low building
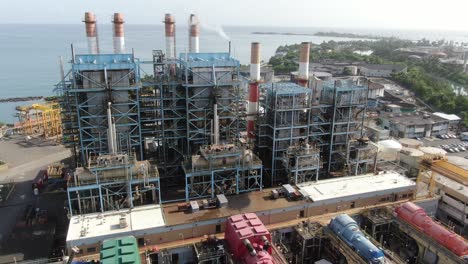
x=155, y=224
x=381, y=70
x=413, y=125
x=454, y=120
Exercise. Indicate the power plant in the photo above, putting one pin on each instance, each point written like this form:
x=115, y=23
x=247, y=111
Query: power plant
x=195, y=162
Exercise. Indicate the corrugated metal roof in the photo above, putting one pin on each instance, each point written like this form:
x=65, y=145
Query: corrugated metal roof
x=123, y=250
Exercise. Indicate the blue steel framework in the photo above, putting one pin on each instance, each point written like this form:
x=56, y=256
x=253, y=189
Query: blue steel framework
x=168, y=112
x=113, y=182
x=348, y=103
x=285, y=123
x=95, y=81
x=214, y=78
x=163, y=118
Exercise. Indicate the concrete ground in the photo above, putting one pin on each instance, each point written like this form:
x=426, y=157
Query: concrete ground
x=25, y=159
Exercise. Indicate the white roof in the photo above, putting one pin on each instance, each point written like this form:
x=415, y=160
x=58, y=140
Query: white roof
x=451, y=117
x=389, y=144
x=456, y=187
x=367, y=185
x=93, y=228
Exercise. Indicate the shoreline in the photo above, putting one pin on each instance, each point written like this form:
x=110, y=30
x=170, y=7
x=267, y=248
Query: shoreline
x=21, y=99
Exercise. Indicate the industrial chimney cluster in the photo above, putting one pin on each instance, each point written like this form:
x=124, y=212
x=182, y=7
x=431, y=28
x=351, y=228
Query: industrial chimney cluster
x=119, y=34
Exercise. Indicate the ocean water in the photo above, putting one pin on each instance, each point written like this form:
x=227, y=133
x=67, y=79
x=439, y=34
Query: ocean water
x=29, y=61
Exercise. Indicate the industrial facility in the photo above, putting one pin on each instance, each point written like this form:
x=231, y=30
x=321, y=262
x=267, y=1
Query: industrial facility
x=194, y=162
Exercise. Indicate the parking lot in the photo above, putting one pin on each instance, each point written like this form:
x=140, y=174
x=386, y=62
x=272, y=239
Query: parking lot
x=437, y=142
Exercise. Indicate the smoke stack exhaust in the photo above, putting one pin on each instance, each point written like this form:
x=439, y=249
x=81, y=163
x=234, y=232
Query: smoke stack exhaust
x=119, y=38
x=91, y=33
x=303, y=74
x=169, y=23
x=253, y=89
x=194, y=34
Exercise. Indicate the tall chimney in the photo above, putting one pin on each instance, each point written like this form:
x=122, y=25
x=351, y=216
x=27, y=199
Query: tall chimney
x=169, y=22
x=194, y=28
x=119, y=39
x=303, y=74
x=91, y=33
x=253, y=89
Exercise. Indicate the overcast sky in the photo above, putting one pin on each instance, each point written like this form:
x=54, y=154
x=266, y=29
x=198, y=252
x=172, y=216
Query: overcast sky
x=393, y=14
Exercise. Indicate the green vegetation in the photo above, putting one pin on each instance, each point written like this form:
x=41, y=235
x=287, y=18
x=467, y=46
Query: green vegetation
x=428, y=78
x=345, y=35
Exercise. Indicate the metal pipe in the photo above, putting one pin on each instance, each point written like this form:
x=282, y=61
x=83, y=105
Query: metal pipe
x=111, y=143
x=91, y=33
x=303, y=74
x=169, y=23
x=216, y=124
x=194, y=34
x=119, y=37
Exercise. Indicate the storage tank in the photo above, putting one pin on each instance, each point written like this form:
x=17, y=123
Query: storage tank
x=389, y=149
x=411, y=143
x=433, y=153
x=411, y=158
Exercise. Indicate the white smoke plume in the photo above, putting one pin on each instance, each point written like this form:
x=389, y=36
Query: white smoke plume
x=218, y=29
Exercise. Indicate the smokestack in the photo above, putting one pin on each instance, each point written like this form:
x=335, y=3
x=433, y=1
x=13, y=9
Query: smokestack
x=215, y=124
x=91, y=33
x=169, y=22
x=119, y=39
x=111, y=132
x=303, y=74
x=194, y=28
x=253, y=89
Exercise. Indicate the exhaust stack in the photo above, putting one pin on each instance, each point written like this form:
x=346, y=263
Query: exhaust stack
x=169, y=23
x=111, y=132
x=194, y=34
x=119, y=39
x=303, y=74
x=91, y=33
x=215, y=124
x=253, y=89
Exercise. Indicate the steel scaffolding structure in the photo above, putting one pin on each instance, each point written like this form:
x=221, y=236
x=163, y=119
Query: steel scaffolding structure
x=209, y=78
x=222, y=169
x=163, y=118
x=95, y=81
x=113, y=182
x=348, y=103
x=43, y=119
x=285, y=123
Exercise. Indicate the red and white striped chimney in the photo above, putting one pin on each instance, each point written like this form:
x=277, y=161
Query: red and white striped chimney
x=91, y=33
x=194, y=28
x=169, y=22
x=303, y=74
x=253, y=89
x=119, y=39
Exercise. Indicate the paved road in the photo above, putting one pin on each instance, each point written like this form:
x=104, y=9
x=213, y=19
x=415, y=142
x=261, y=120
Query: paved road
x=28, y=170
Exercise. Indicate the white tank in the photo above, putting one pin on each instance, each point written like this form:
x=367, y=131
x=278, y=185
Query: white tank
x=411, y=143
x=433, y=153
x=411, y=158
x=389, y=150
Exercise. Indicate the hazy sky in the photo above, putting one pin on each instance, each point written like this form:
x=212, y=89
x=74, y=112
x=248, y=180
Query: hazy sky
x=394, y=14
